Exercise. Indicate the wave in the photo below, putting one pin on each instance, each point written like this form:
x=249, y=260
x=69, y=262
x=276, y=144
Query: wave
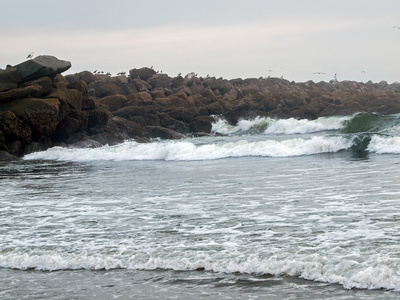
x=372, y=123
x=376, y=272
x=357, y=123
x=266, y=125
x=188, y=150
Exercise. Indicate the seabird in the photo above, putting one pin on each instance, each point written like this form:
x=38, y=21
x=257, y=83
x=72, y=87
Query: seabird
x=397, y=27
x=363, y=72
x=322, y=73
x=30, y=55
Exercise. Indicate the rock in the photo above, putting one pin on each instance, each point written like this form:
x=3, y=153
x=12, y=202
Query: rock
x=45, y=82
x=201, y=124
x=28, y=91
x=79, y=85
x=5, y=156
x=159, y=81
x=33, y=147
x=13, y=129
x=177, y=82
x=3, y=146
x=98, y=117
x=42, y=115
x=9, y=79
x=76, y=121
x=86, y=76
x=163, y=133
x=141, y=85
x=40, y=66
x=129, y=88
x=59, y=82
x=15, y=148
x=142, y=73
x=114, y=102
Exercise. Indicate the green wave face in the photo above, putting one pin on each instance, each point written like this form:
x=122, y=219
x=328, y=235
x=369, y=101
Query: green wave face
x=371, y=123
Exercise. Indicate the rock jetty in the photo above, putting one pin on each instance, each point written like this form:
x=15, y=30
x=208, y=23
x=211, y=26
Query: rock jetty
x=40, y=108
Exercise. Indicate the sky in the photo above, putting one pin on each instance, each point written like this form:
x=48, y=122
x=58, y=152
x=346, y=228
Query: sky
x=300, y=40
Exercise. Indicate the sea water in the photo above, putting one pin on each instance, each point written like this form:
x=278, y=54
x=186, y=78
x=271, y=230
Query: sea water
x=266, y=209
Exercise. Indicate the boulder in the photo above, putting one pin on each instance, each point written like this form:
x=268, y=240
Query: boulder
x=114, y=102
x=28, y=91
x=76, y=121
x=142, y=73
x=141, y=85
x=5, y=156
x=42, y=115
x=9, y=79
x=159, y=81
x=201, y=124
x=14, y=129
x=40, y=66
x=163, y=133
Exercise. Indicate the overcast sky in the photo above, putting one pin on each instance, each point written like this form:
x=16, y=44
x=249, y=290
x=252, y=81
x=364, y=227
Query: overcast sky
x=224, y=38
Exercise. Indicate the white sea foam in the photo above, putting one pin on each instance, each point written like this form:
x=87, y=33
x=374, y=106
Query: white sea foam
x=384, y=144
x=281, y=126
x=187, y=150
x=380, y=272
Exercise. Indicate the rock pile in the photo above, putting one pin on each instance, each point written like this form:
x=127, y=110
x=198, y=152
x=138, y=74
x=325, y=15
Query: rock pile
x=40, y=108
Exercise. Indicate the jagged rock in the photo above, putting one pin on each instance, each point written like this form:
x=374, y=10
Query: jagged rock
x=142, y=73
x=40, y=66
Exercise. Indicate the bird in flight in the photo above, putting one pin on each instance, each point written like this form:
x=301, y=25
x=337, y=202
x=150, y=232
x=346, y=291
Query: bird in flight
x=397, y=27
x=322, y=73
x=30, y=55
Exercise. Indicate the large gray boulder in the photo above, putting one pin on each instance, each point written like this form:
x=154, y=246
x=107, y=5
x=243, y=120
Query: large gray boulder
x=40, y=66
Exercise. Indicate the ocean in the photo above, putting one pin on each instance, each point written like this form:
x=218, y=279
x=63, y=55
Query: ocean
x=266, y=209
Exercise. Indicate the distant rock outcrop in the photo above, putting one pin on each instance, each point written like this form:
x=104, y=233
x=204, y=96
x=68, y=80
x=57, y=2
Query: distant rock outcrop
x=40, y=66
x=40, y=108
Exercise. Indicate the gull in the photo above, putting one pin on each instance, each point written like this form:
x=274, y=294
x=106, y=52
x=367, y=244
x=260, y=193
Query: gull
x=320, y=73
x=397, y=27
x=30, y=55
x=363, y=72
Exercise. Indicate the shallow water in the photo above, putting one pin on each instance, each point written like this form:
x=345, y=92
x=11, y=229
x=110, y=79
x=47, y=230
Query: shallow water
x=323, y=225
